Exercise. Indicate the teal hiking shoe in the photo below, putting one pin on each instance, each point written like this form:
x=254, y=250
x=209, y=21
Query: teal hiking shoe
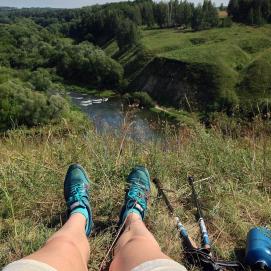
x=76, y=194
x=138, y=193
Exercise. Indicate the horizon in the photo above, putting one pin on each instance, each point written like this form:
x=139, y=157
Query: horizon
x=71, y=4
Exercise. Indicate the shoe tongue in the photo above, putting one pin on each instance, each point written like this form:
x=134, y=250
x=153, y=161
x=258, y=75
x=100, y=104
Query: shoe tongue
x=138, y=206
x=75, y=205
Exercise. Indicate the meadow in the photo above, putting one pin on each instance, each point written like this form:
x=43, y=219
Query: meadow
x=233, y=46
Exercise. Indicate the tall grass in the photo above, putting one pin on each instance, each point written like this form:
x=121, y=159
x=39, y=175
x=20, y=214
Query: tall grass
x=33, y=164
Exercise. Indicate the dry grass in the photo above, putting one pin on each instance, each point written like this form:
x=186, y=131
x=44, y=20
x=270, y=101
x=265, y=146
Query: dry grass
x=223, y=14
x=33, y=164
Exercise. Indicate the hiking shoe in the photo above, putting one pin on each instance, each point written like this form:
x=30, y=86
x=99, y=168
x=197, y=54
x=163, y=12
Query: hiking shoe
x=76, y=187
x=137, y=196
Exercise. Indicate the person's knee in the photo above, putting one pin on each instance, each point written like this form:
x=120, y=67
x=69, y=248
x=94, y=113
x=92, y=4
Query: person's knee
x=143, y=241
x=67, y=243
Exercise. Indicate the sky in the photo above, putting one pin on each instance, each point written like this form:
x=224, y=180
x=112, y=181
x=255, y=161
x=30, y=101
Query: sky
x=69, y=3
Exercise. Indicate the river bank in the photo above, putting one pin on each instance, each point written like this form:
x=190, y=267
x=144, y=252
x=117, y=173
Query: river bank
x=112, y=115
x=133, y=101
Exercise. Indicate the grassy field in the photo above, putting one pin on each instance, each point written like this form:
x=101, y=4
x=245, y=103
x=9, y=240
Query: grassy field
x=33, y=164
x=233, y=46
x=232, y=49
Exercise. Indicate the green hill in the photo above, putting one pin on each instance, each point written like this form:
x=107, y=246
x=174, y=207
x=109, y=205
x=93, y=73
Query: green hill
x=229, y=52
x=236, y=45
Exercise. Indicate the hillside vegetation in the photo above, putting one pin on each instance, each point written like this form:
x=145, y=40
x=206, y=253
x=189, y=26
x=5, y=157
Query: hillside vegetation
x=33, y=164
x=73, y=43
x=236, y=50
x=238, y=57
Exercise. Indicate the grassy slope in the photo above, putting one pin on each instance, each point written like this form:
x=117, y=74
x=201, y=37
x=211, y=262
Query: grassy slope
x=233, y=50
x=233, y=46
x=33, y=165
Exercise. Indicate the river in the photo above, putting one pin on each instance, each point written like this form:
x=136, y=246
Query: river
x=110, y=116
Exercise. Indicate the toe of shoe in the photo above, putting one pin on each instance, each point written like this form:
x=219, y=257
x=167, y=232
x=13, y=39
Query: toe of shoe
x=76, y=171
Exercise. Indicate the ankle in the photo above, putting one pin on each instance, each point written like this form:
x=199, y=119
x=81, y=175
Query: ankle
x=78, y=217
x=133, y=217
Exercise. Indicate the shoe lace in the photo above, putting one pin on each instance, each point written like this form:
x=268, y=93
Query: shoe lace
x=77, y=193
x=139, y=193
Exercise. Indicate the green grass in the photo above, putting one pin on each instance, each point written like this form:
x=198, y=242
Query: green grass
x=233, y=48
x=95, y=92
x=182, y=117
x=168, y=42
x=33, y=164
x=111, y=48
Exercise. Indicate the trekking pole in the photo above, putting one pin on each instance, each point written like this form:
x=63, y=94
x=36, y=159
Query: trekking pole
x=203, y=229
x=183, y=232
x=202, y=256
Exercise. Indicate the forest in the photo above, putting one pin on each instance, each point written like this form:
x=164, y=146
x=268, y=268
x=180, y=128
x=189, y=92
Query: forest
x=44, y=51
x=254, y=12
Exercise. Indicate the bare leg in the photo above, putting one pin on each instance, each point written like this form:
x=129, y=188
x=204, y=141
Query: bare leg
x=68, y=248
x=135, y=246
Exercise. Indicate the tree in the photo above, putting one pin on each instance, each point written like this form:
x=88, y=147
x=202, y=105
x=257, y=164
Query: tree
x=147, y=13
x=134, y=14
x=197, y=18
x=187, y=13
x=257, y=9
x=221, y=7
x=266, y=10
x=250, y=11
x=88, y=64
x=161, y=14
x=205, y=16
x=179, y=14
x=128, y=34
x=19, y=105
x=233, y=8
x=210, y=14
x=41, y=80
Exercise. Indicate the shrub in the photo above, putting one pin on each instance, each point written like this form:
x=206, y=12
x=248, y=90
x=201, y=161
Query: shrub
x=41, y=80
x=143, y=98
x=19, y=105
x=226, y=22
x=85, y=63
x=256, y=83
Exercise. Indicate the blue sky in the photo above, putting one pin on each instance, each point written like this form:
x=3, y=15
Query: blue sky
x=68, y=3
